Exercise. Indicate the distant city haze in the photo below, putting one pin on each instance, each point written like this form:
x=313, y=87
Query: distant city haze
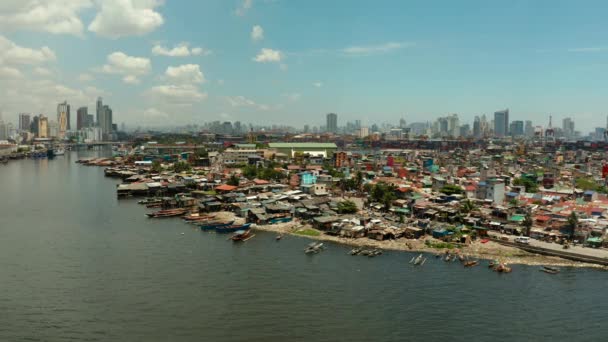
x=289, y=63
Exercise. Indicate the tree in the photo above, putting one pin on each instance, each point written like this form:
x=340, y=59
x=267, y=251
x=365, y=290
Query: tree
x=156, y=166
x=451, y=189
x=467, y=206
x=527, y=223
x=181, y=166
x=347, y=207
x=572, y=224
x=233, y=180
x=530, y=185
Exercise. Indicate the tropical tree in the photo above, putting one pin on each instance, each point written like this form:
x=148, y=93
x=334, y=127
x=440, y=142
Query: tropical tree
x=156, y=166
x=527, y=223
x=233, y=180
x=467, y=206
x=181, y=166
x=572, y=224
x=347, y=207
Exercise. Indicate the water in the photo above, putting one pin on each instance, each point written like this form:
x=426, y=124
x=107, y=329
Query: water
x=77, y=264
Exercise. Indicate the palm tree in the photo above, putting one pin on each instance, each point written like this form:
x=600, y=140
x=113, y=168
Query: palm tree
x=527, y=223
x=573, y=224
x=467, y=206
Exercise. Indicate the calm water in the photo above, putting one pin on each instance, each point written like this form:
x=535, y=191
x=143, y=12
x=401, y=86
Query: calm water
x=77, y=264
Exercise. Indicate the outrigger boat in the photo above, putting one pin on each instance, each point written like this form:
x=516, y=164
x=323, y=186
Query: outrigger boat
x=167, y=213
x=550, y=270
x=213, y=225
x=355, y=251
x=242, y=235
x=197, y=217
x=419, y=260
x=314, y=248
x=232, y=228
x=278, y=237
x=471, y=263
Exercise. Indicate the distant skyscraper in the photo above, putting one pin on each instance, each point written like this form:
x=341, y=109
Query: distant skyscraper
x=529, y=129
x=98, y=111
x=568, y=127
x=477, y=127
x=105, y=120
x=332, y=123
x=3, y=130
x=34, y=125
x=24, y=122
x=82, y=118
x=501, y=123
x=402, y=123
x=90, y=121
x=63, y=110
x=43, y=127
x=517, y=128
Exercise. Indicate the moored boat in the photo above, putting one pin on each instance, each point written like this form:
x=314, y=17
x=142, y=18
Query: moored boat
x=550, y=270
x=242, y=235
x=471, y=263
x=214, y=225
x=314, y=248
x=232, y=228
x=167, y=213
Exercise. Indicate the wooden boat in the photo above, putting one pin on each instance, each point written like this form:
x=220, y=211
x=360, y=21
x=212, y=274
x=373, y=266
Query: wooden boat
x=232, y=228
x=278, y=237
x=502, y=268
x=419, y=260
x=314, y=248
x=279, y=220
x=471, y=263
x=167, y=213
x=242, y=235
x=213, y=225
x=197, y=217
x=550, y=270
x=461, y=257
x=154, y=205
x=355, y=251
x=492, y=263
x=150, y=201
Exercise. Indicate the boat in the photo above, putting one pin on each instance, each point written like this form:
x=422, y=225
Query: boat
x=59, y=152
x=213, y=225
x=419, y=260
x=550, y=270
x=150, y=201
x=314, y=248
x=197, y=217
x=278, y=237
x=232, y=228
x=502, y=268
x=242, y=235
x=461, y=257
x=492, y=263
x=279, y=220
x=167, y=213
x=355, y=251
x=471, y=263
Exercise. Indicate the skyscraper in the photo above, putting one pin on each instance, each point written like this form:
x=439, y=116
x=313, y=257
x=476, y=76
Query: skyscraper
x=529, y=129
x=501, y=123
x=568, y=127
x=98, y=111
x=477, y=127
x=82, y=117
x=517, y=128
x=34, y=125
x=63, y=110
x=24, y=122
x=332, y=123
x=43, y=127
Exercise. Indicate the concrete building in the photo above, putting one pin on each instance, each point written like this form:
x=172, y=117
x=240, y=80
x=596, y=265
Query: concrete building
x=517, y=128
x=53, y=130
x=332, y=123
x=240, y=156
x=3, y=131
x=325, y=150
x=82, y=118
x=529, y=129
x=24, y=122
x=43, y=127
x=477, y=127
x=568, y=127
x=63, y=119
x=492, y=189
x=501, y=123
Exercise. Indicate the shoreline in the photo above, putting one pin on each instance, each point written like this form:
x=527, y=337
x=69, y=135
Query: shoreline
x=488, y=251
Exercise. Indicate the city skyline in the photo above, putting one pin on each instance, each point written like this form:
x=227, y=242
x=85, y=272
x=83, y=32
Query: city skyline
x=276, y=67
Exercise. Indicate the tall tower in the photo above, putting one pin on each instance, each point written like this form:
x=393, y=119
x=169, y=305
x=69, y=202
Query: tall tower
x=501, y=123
x=332, y=123
x=63, y=118
x=98, y=111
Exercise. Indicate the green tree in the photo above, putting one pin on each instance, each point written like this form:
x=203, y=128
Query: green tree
x=467, y=206
x=530, y=185
x=451, y=189
x=347, y=207
x=181, y=166
x=156, y=166
x=572, y=224
x=585, y=184
x=527, y=223
x=233, y=180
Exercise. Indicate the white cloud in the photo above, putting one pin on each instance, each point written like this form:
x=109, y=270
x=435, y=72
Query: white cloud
x=257, y=33
x=292, y=96
x=120, y=18
x=85, y=77
x=367, y=50
x=589, y=49
x=10, y=73
x=42, y=71
x=242, y=101
x=180, y=50
x=128, y=66
x=177, y=94
x=244, y=7
x=11, y=53
x=185, y=74
x=318, y=84
x=268, y=56
x=53, y=16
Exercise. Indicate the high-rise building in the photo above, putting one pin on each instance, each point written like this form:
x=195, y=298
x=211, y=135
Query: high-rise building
x=3, y=131
x=517, y=128
x=332, y=123
x=82, y=118
x=90, y=122
x=568, y=127
x=501, y=123
x=477, y=127
x=63, y=119
x=402, y=123
x=53, y=130
x=529, y=129
x=24, y=122
x=98, y=112
x=43, y=126
x=453, y=125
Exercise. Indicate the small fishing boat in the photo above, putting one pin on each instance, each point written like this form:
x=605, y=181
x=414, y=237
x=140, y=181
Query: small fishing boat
x=502, y=268
x=197, y=217
x=150, y=201
x=242, y=235
x=355, y=251
x=419, y=260
x=314, y=248
x=279, y=220
x=471, y=263
x=232, y=228
x=213, y=225
x=550, y=270
x=278, y=237
x=167, y=213
x=461, y=257
x=492, y=263
x=447, y=258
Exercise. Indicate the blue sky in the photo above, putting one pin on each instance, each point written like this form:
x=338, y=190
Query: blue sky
x=376, y=61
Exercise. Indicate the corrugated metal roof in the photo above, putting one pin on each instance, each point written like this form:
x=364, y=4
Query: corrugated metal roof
x=302, y=145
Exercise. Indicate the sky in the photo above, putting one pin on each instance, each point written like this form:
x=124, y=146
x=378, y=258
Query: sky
x=290, y=62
